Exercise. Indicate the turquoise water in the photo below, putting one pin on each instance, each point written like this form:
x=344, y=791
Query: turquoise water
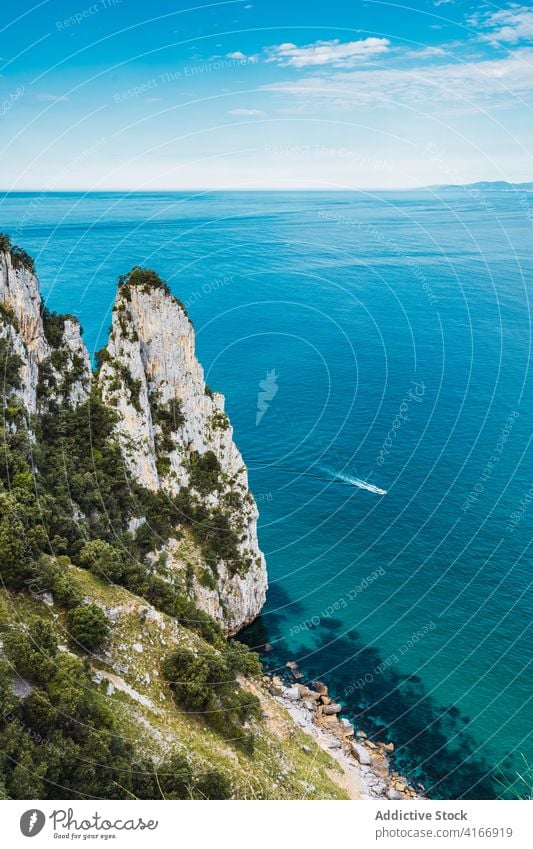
x=396, y=331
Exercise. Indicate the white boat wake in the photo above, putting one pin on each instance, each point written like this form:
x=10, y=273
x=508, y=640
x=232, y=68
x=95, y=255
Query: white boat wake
x=355, y=481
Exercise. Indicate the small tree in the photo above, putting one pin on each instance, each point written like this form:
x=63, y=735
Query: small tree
x=32, y=652
x=88, y=627
x=102, y=559
x=214, y=785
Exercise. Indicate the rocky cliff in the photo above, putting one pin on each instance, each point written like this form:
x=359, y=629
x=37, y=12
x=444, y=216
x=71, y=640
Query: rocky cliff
x=52, y=353
x=176, y=437
x=173, y=433
x=125, y=518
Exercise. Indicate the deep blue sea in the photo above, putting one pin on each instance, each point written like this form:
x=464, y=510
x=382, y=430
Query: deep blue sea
x=386, y=337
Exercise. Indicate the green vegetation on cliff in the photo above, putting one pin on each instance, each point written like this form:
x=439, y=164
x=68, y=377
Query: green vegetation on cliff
x=19, y=257
x=113, y=684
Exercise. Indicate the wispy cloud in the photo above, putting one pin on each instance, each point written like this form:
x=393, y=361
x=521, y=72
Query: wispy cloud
x=508, y=26
x=335, y=53
x=483, y=82
x=257, y=113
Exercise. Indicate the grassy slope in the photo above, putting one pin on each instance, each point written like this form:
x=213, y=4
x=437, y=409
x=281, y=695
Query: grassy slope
x=129, y=671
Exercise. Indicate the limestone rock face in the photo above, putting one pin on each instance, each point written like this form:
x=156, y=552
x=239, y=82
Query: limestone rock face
x=21, y=323
x=168, y=420
x=173, y=432
x=78, y=361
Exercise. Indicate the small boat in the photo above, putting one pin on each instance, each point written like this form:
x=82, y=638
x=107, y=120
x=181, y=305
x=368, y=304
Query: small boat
x=355, y=481
x=369, y=486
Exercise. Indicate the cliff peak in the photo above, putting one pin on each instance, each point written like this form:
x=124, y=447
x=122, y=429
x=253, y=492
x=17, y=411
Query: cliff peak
x=35, y=336
x=176, y=438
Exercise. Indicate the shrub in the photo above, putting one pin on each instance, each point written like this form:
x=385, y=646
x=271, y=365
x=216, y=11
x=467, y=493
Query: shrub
x=169, y=417
x=54, y=327
x=8, y=315
x=88, y=627
x=192, y=678
x=10, y=365
x=214, y=785
x=148, y=280
x=102, y=356
x=102, y=559
x=220, y=420
x=207, y=579
x=65, y=591
x=15, y=554
x=204, y=471
x=144, y=277
x=80, y=461
x=32, y=652
x=205, y=684
x=19, y=258
x=133, y=386
x=38, y=713
x=176, y=778
x=242, y=661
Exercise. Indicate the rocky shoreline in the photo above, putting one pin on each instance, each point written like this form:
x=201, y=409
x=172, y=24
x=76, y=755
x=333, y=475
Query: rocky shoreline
x=365, y=765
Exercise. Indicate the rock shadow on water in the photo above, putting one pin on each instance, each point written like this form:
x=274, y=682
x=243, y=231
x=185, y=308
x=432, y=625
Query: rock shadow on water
x=265, y=634
x=433, y=746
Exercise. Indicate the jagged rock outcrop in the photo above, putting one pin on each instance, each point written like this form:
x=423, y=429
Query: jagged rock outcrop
x=174, y=434
x=62, y=369
x=172, y=430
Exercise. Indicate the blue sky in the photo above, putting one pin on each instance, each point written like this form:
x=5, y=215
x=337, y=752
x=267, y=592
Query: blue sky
x=122, y=94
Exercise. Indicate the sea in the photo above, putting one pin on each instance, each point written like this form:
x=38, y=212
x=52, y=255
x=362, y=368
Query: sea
x=373, y=349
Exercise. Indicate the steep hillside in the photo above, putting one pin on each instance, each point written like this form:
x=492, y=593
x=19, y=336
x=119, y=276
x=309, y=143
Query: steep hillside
x=133, y=710
x=128, y=552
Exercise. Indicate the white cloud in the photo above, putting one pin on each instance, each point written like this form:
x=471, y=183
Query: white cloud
x=235, y=55
x=481, y=83
x=257, y=113
x=335, y=53
x=508, y=26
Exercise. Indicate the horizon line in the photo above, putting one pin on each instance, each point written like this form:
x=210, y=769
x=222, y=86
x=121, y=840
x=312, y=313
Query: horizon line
x=199, y=189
